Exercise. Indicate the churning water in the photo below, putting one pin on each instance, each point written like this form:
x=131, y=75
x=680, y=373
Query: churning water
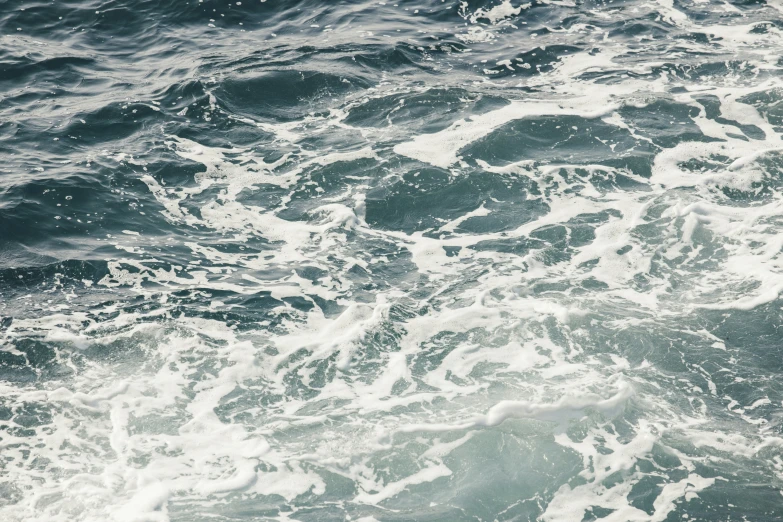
x=374, y=261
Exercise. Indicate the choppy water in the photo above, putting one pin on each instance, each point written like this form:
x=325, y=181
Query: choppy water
x=414, y=261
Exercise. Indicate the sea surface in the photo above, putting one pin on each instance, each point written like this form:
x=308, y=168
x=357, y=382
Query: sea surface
x=432, y=260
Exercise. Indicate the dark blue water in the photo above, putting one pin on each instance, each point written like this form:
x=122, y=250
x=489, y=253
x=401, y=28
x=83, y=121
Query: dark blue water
x=375, y=261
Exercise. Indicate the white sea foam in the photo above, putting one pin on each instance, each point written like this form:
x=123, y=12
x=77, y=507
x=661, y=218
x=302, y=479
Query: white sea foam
x=383, y=384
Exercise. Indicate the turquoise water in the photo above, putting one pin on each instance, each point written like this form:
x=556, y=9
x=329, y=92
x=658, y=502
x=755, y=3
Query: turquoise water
x=376, y=261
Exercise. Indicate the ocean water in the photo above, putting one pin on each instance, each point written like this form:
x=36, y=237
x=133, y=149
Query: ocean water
x=424, y=260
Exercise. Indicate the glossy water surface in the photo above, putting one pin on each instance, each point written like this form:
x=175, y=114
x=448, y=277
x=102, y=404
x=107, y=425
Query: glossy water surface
x=373, y=261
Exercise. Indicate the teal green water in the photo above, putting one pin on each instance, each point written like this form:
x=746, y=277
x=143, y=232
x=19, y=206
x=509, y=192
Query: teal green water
x=367, y=261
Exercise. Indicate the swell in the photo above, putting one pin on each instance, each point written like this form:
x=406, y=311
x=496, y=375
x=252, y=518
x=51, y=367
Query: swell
x=479, y=261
